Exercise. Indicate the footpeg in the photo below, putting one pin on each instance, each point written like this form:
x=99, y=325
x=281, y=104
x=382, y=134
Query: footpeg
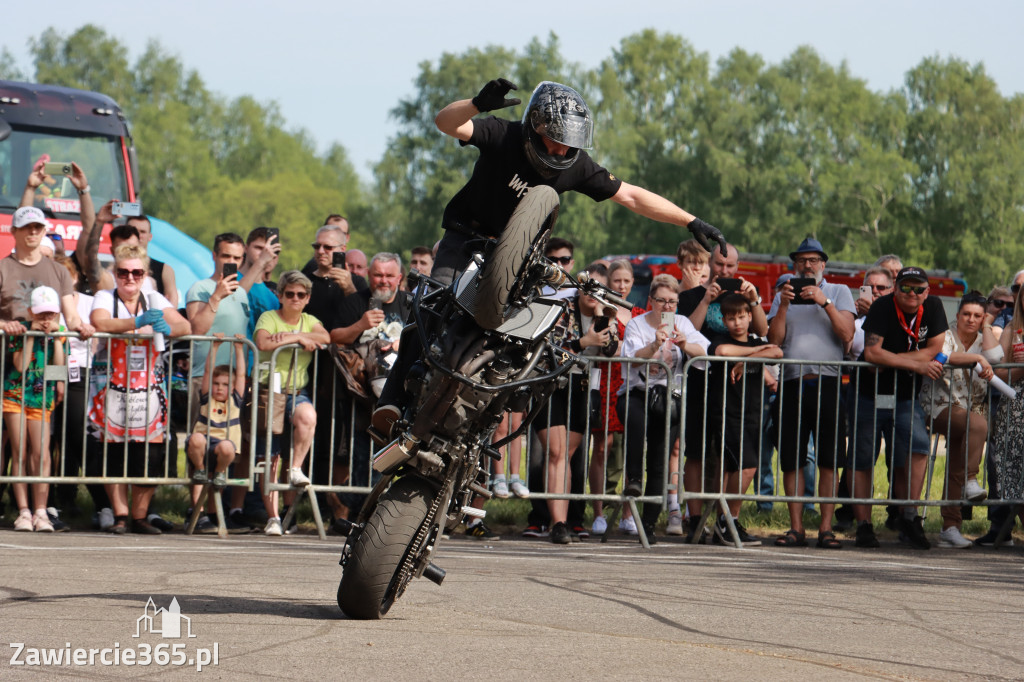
x=480, y=490
x=474, y=512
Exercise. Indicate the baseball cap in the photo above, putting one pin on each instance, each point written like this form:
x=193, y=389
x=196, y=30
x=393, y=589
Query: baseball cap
x=29, y=215
x=809, y=245
x=783, y=278
x=911, y=272
x=44, y=300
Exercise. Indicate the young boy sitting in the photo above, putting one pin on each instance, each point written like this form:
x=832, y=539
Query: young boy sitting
x=24, y=391
x=219, y=425
x=738, y=386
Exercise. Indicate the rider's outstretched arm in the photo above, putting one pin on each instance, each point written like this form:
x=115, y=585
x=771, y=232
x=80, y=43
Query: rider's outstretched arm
x=656, y=207
x=651, y=205
x=456, y=119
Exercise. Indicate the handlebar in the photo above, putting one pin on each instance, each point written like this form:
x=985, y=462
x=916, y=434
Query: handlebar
x=592, y=287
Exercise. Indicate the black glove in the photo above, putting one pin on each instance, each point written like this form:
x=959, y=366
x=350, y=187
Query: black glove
x=492, y=96
x=705, y=234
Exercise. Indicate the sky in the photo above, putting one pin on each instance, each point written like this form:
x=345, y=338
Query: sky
x=338, y=68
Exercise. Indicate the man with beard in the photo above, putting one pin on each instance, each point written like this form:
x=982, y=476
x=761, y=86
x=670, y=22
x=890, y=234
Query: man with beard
x=812, y=323
x=365, y=317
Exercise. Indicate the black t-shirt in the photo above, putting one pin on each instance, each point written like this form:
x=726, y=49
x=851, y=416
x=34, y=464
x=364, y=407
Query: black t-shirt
x=883, y=320
x=737, y=399
x=325, y=300
x=502, y=175
x=356, y=305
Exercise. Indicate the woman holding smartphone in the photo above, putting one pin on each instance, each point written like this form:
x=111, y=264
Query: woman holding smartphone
x=668, y=337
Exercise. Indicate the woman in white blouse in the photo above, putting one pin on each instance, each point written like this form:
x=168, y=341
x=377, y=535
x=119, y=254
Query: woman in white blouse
x=957, y=406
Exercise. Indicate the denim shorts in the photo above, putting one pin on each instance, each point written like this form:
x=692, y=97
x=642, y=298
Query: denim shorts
x=903, y=429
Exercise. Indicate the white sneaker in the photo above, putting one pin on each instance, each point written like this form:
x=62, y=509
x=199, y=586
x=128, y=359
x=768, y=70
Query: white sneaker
x=41, y=522
x=675, y=523
x=951, y=537
x=106, y=518
x=519, y=488
x=974, y=492
x=628, y=526
x=500, y=488
x=600, y=525
x=296, y=478
x=23, y=522
x=273, y=527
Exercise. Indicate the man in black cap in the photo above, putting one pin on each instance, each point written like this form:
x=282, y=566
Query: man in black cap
x=814, y=323
x=903, y=332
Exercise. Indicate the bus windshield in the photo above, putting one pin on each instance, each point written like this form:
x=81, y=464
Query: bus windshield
x=98, y=155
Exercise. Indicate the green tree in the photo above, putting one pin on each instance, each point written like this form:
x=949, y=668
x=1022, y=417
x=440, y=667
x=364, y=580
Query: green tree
x=967, y=140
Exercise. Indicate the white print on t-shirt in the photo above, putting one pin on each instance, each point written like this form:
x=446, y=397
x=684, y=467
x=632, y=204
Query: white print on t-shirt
x=518, y=185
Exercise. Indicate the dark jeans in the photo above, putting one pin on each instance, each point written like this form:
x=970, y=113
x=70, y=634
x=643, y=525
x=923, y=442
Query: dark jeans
x=632, y=409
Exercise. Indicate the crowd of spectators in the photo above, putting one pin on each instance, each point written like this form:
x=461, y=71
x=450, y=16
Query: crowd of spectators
x=614, y=427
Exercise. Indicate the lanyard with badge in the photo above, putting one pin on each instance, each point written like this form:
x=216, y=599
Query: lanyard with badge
x=137, y=354
x=913, y=333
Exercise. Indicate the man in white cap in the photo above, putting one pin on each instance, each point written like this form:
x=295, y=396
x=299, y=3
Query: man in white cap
x=27, y=269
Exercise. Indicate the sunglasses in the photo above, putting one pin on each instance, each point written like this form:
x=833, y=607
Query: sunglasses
x=665, y=301
x=561, y=260
x=125, y=273
x=55, y=237
x=1015, y=288
x=879, y=287
x=317, y=246
x=999, y=303
x=909, y=289
x=811, y=260
x=296, y=294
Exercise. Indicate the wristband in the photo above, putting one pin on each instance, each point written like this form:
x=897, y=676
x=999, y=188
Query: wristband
x=84, y=190
x=575, y=346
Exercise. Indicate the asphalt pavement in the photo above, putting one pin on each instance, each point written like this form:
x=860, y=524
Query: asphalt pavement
x=512, y=609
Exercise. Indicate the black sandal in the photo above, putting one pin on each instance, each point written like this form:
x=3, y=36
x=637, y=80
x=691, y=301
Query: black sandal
x=792, y=538
x=827, y=540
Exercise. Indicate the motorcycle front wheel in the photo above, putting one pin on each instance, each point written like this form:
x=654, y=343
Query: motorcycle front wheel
x=372, y=582
x=534, y=215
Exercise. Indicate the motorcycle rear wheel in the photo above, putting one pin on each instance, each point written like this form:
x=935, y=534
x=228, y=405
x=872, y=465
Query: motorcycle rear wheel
x=371, y=581
x=496, y=285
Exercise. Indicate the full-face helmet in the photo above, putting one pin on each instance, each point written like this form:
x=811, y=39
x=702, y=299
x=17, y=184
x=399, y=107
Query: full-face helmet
x=557, y=112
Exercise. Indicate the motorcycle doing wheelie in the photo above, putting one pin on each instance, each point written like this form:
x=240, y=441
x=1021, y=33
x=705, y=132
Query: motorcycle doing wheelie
x=490, y=345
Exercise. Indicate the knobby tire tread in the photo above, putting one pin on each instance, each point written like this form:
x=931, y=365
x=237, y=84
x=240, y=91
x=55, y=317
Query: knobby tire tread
x=380, y=548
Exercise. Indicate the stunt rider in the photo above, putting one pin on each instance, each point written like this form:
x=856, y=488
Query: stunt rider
x=546, y=148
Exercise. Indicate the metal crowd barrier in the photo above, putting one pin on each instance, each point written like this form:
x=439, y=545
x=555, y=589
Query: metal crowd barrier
x=338, y=462
x=852, y=376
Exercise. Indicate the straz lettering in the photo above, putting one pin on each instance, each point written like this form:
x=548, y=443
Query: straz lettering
x=518, y=185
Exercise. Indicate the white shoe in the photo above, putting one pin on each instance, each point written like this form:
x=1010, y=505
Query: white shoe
x=974, y=492
x=273, y=527
x=500, y=488
x=600, y=526
x=23, y=522
x=628, y=526
x=106, y=518
x=951, y=537
x=519, y=488
x=41, y=522
x=296, y=478
x=675, y=523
